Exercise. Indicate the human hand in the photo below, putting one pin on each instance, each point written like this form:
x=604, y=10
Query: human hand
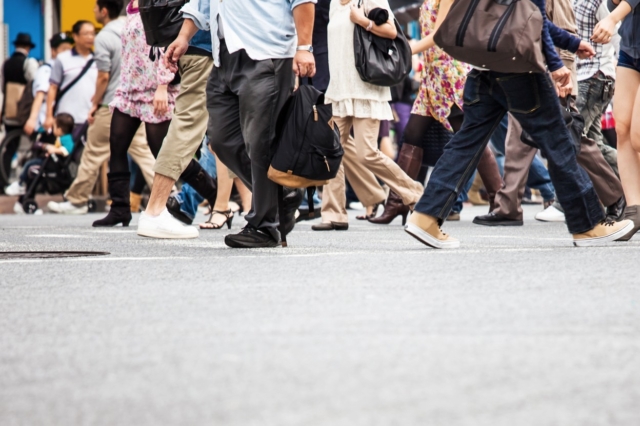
x=29, y=126
x=604, y=30
x=92, y=112
x=304, y=64
x=564, y=91
x=174, y=52
x=585, y=50
x=357, y=16
x=161, y=101
x=48, y=123
x=561, y=76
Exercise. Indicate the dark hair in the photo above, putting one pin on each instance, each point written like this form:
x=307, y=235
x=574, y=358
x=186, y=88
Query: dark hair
x=77, y=27
x=65, y=122
x=114, y=7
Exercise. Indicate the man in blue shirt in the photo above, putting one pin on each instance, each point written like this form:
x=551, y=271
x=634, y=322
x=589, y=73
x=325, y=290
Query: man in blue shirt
x=257, y=48
x=532, y=99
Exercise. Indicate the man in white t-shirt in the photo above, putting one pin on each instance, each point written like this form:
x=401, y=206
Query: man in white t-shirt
x=59, y=43
x=66, y=68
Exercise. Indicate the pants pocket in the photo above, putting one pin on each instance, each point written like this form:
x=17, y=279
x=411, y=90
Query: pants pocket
x=521, y=92
x=471, y=94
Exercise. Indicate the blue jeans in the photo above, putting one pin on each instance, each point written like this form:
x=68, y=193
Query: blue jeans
x=532, y=99
x=188, y=198
x=538, y=177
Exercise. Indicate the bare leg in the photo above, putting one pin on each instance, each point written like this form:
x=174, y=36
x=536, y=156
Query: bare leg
x=225, y=184
x=162, y=186
x=245, y=194
x=627, y=106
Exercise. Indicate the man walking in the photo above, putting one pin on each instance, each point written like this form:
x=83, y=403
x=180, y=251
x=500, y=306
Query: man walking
x=256, y=53
x=17, y=71
x=531, y=98
x=108, y=47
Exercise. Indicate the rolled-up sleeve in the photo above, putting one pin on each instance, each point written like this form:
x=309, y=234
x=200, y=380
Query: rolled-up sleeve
x=198, y=12
x=612, y=6
x=296, y=3
x=102, y=56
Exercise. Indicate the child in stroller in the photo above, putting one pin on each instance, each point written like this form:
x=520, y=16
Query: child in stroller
x=51, y=163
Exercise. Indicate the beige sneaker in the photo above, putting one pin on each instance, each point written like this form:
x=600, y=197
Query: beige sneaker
x=425, y=228
x=604, y=232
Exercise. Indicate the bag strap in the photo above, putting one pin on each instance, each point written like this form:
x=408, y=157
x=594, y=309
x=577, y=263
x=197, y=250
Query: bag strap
x=64, y=91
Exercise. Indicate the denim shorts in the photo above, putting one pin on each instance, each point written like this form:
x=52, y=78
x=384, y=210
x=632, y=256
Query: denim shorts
x=627, y=61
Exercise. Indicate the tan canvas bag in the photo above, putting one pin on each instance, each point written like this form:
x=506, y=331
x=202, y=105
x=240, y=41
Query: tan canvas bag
x=499, y=35
x=13, y=95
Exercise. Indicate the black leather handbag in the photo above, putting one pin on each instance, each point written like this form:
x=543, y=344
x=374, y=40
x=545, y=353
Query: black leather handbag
x=162, y=20
x=381, y=61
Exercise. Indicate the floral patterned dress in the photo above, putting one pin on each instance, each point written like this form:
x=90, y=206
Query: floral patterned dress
x=443, y=78
x=139, y=76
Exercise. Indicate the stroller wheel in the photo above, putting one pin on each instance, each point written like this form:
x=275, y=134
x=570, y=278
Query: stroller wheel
x=92, y=206
x=29, y=206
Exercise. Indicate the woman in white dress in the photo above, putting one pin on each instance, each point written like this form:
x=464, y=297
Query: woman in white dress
x=360, y=106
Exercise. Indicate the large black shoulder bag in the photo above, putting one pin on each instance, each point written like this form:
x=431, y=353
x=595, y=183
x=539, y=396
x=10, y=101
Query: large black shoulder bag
x=307, y=150
x=162, y=21
x=381, y=61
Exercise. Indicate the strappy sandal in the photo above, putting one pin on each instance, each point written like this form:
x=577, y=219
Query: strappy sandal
x=373, y=214
x=210, y=225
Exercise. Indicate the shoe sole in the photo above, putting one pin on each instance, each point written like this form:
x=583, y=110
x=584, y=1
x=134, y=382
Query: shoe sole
x=163, y=235
x=425, y=238
x=550, y=220
x=591, y=242
x=233, y=244
x=503, y=223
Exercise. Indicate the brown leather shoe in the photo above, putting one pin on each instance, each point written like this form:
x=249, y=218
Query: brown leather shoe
x=410, y=161
x=426, y=229
x=604, y=232
x=331, y=226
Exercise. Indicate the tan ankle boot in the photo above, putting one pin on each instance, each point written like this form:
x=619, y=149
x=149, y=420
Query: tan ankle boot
x=135, y=201
x=426, y=229
x=474, y=192
x=604, y=232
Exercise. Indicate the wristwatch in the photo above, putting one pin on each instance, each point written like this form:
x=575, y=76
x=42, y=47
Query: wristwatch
x=307, y=47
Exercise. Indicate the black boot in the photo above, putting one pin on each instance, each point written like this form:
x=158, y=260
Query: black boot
x=199, y=180
x=120, y=205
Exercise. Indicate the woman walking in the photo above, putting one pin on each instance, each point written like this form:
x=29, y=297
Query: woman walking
x=360, y=106
x=439, y=100
x=146, y=95
x=626, y=103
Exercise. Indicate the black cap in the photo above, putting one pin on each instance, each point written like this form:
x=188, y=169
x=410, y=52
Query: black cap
x=23, y=39
x=58, y=39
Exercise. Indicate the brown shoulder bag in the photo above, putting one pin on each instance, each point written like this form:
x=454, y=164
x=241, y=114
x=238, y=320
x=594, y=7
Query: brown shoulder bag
x=499, y=35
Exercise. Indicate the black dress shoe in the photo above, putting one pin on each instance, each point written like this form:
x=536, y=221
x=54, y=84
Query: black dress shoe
x=173, y=206
x=292, y=200
x=331, y=226
x=493, y=219
x=616, y=210
x=250, y=237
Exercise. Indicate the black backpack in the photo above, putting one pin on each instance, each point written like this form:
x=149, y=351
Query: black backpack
x=307, y=150
x=162, y=21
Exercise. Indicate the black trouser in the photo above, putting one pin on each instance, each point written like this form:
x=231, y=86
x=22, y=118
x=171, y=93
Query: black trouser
x=244, y=98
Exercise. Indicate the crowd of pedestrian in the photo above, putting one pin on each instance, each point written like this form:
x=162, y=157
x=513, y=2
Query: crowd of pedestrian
x=202, y=115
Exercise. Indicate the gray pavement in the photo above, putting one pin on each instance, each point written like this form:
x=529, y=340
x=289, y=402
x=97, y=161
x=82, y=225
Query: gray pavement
x=365, y=327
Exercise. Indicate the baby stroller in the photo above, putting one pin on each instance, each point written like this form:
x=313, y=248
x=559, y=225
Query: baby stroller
x=56, y=173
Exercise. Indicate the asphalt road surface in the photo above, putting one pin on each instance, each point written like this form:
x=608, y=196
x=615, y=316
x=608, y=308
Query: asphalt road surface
x=359, y=328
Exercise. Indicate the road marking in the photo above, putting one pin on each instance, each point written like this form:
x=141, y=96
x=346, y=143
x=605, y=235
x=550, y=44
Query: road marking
x=92, y=259
x=56, y=236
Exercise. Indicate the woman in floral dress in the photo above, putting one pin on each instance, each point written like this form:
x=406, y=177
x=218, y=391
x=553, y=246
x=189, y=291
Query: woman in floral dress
x=146, y=94
x=439, y=100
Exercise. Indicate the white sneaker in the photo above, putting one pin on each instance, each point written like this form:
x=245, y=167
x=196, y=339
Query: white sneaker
x=164, y=226
x=16, y=188
x=17, y=208
x=67, y=208
x=550, y=214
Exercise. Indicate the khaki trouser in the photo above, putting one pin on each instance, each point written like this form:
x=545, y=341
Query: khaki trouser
x=518, y=158
x=190, y=117
x=363, y=161
x=97, y=151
